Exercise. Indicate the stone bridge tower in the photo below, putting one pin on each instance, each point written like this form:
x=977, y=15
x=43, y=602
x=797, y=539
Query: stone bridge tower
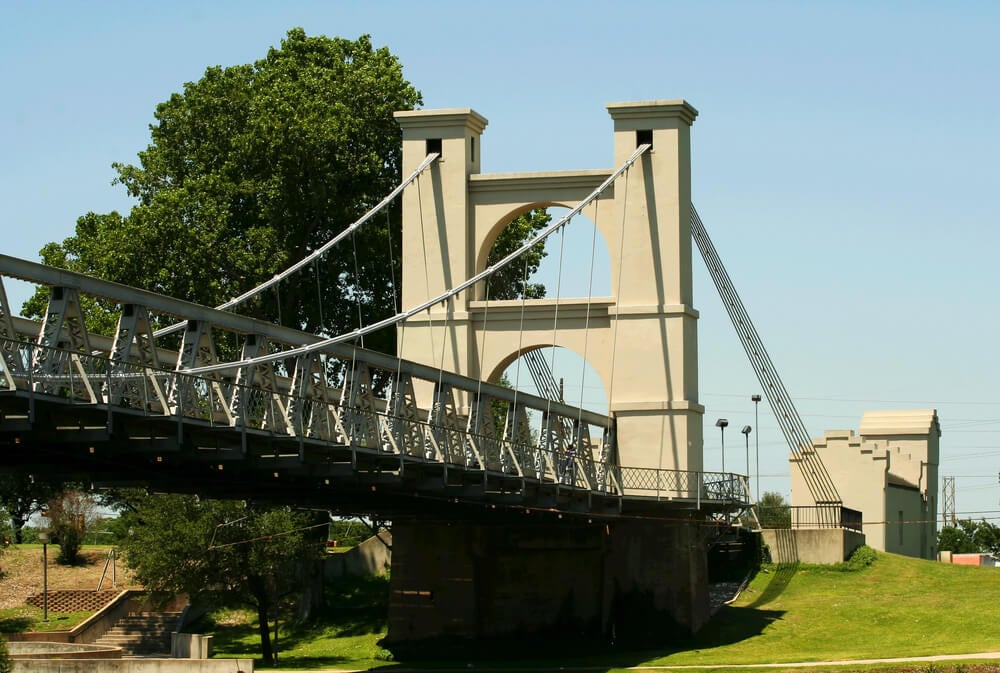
x=642, y=340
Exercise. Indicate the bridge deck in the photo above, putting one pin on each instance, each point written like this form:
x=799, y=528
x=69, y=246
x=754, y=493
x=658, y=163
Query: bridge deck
x=110, y=445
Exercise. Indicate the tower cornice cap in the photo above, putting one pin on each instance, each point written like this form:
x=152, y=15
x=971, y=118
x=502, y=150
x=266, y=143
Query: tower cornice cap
x=447, y=118
x=652, y=110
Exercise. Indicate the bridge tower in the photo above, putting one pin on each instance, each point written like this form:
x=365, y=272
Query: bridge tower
x=642, y=340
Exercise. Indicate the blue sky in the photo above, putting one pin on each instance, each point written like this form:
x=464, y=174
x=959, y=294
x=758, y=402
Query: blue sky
x=844, y=162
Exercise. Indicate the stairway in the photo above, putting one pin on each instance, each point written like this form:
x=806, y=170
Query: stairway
x=142, y=634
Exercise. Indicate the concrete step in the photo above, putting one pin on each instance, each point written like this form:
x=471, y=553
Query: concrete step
x=146, y=633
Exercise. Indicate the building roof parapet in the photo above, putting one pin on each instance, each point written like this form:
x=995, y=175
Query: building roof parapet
x=921, y=422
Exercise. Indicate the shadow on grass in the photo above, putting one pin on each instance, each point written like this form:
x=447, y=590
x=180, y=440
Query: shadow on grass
x=783, y=575
x=359, y=609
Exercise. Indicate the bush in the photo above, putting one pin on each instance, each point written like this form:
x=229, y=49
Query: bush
x=6, y=665
x=861, y=558
x=70, y=540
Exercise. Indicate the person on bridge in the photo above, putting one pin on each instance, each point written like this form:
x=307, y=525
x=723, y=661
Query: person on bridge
x=568, y=475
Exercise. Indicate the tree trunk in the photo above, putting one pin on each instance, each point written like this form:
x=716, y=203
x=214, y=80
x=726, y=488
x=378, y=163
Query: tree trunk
x=311, y=599
x=264, y=629
x=17, y=523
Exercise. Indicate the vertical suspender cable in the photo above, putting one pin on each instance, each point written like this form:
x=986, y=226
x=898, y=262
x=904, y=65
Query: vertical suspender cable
x=618, y=285
x=590, y=297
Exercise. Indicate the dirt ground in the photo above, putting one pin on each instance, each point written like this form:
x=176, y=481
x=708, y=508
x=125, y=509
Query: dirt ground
x=21, y=573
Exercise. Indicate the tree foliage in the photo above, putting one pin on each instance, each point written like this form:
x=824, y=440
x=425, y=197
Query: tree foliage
x=22, y=495
x=70, y=515
x=254, y=166
x=180, y=544
x=6, y=665
x=970, y=537
x=249, y=169
x=773, y=511
x=511, y=282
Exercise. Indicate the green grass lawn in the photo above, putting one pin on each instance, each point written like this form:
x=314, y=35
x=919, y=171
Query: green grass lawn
x=345, y=636
x=30, y=618
x=897, y=607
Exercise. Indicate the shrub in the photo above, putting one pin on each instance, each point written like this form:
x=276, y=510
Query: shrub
x=70, y=539
x=862, y=557
x=6, y=665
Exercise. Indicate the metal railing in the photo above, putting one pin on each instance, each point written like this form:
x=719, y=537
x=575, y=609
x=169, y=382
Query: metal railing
x=810, y=517
x=689, y=485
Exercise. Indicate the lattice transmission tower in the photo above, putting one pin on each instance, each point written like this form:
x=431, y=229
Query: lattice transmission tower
x=948, y=500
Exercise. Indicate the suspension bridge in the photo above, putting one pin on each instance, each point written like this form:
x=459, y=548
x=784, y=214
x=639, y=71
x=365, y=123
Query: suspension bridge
x=505, y=504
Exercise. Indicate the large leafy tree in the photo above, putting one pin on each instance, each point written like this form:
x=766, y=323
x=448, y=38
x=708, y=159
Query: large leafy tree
x=254, y=166
x=180, y=544
x=249, y=169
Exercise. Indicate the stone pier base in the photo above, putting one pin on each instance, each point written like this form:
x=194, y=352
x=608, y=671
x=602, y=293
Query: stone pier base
x=551, y=579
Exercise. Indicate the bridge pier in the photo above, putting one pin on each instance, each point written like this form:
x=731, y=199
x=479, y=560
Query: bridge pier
x=541, y=578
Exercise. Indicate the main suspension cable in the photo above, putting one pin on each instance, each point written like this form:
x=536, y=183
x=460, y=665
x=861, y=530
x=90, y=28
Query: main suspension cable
x=404, y=315
x=318, y=252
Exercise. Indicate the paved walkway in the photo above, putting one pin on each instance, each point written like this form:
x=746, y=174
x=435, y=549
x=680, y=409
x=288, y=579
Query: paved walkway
x=981, y=656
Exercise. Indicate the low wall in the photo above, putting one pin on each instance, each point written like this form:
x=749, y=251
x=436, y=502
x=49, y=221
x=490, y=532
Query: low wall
x=132, y=666
x=102, y=621
x=812, y=545
x=32, y=649
x=190, y=646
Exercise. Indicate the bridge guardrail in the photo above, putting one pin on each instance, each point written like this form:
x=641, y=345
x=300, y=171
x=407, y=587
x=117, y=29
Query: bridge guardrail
x=677, y=484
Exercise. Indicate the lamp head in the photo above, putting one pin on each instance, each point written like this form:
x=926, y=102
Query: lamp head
x=746, y=429
x=721, y=423
x=755, y=398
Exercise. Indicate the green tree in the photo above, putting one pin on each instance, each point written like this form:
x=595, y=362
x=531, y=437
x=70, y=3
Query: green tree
x=254, y=166
x=511, y=282
x=5, y=661
x=773, y=511
x=970, y=537
x=22, y=495
x=70, y=515
x=249, y=169
x=180, y=544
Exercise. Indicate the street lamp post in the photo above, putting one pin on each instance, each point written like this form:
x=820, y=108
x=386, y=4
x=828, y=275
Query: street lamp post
x=756, y=440
x=721, y=425
x=44, y=537
x=746, y=435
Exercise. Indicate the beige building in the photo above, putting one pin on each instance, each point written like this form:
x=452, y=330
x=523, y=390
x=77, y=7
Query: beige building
x=889, y=472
